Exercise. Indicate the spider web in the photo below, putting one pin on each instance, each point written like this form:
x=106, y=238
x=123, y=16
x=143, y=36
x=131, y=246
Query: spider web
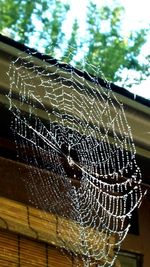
x=75, y=138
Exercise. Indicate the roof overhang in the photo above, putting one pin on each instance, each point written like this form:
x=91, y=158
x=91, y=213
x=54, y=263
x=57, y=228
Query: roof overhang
x=137, y=110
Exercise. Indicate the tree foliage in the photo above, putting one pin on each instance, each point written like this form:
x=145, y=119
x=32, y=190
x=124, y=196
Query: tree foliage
x=113, y=51
x=41, y=23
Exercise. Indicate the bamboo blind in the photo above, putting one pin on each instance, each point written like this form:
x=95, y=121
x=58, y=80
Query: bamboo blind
x=18, y=251
x=32, y=223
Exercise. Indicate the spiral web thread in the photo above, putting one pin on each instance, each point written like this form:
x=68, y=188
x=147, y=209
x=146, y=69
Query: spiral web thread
x=75, y=135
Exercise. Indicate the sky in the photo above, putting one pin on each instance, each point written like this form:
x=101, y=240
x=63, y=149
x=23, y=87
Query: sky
x=136, y=16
